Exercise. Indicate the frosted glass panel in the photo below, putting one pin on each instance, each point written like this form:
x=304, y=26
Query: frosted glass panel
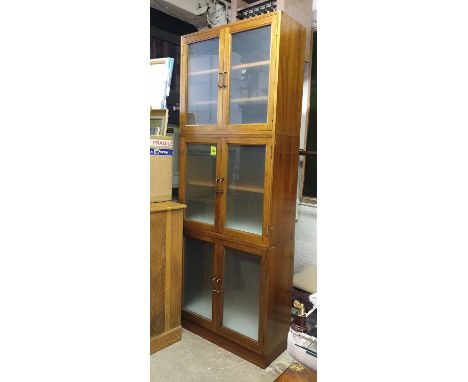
x=249, y=77
x=198, y=276
x=200, y=182
x=245, y=188
x=241, y=292
x=202, y=84
x=156, y=126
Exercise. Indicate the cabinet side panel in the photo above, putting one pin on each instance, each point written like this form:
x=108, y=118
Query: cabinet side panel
x=291, y=58
x=280, y=272
x=287, y=130
x=157, y=272
x=284, y=189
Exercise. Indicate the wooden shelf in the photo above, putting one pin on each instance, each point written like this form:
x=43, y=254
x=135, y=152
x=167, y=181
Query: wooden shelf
x=204, y=183
x=244, y=223
x=203, y=102
x=249, y=99
x=233, y=100
x=251, y=65
x=246, y=187
x=238, y=187
x=200, y=72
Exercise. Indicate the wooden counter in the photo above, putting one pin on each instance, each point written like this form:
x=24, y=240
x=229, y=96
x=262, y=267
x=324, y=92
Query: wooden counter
x=166, y=222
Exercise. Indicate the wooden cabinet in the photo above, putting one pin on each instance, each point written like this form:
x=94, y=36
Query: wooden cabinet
x=241, y=92
x=166, y=273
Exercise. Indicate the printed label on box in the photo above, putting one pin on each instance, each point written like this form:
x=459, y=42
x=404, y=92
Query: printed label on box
x=162, y=142
x=154, y=151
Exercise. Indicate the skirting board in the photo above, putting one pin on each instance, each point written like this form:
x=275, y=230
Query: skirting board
x=164, y=340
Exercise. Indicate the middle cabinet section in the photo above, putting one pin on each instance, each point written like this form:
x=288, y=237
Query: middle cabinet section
x=226, y=185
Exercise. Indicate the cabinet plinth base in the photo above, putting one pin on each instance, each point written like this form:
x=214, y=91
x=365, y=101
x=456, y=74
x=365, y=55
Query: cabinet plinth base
x=163, y=340
x=260, y=360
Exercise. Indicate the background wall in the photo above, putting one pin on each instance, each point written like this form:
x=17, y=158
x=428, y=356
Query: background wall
x=306, y=237
x=306, y=215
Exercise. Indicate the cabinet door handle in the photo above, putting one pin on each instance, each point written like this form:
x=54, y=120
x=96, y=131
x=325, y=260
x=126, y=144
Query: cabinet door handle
x=219, y=185
x=217, y=285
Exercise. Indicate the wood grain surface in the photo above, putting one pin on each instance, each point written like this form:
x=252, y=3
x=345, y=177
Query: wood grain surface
x=297, y=373
x=166, y=225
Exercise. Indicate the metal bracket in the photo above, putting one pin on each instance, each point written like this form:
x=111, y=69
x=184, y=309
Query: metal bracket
x=305, y=152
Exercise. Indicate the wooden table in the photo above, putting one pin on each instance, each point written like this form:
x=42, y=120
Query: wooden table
x=297, y=373
x=166, y=224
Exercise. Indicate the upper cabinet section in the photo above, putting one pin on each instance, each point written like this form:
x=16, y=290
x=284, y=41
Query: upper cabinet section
x=228, y=78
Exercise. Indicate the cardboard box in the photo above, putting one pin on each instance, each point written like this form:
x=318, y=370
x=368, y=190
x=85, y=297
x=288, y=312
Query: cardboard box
x=161, y=151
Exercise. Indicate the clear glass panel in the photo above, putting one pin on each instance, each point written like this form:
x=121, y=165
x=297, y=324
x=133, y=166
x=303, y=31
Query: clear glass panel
x=249, y=77
x=241, y=292
x=202, y=84
x=200, y=182
x=245, y=188
x=198, y=276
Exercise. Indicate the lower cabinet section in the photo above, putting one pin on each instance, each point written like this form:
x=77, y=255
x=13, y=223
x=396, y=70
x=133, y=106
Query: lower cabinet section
x=226, y=286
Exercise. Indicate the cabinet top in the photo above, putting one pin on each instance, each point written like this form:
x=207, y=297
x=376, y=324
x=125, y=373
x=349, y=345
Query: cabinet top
x=269, y=15
x=165, y=206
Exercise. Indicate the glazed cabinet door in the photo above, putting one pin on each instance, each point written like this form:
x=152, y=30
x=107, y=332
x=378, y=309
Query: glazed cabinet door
x=201, y=89
x=242, y=272
x=199, y=281
x=246, y=185
x=249, y=51
x=199, y=174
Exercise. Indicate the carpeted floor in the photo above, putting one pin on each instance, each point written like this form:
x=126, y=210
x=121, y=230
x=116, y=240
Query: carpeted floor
x=193, y=359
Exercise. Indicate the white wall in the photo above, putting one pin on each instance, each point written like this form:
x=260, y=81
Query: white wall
x=306, y=237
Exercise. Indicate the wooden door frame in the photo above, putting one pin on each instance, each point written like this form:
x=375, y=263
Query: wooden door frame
x=270, y=19
x=256, y=346
x=184, y=51
x=183, y=178
x=192, y=316
x=245, y=236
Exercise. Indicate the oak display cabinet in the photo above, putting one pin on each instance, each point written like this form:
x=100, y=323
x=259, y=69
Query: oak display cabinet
x=241, y=92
